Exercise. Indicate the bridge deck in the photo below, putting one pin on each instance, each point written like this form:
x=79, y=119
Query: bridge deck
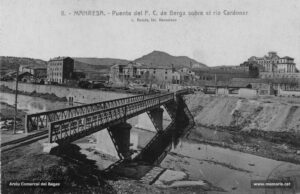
x=73, y=128
x=39, y=121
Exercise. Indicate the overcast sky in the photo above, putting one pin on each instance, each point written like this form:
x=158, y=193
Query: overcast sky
x=35, y=28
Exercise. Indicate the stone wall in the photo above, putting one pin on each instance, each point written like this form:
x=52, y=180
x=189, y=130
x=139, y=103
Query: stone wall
x=79, y=95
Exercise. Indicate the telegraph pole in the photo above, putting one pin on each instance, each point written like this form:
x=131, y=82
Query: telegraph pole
x=150, y=87
x=16, y=101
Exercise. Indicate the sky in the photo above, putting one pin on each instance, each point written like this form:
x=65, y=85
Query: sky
x=37, y=29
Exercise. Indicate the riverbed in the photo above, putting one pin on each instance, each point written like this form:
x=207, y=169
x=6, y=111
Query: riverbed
x=228, y=169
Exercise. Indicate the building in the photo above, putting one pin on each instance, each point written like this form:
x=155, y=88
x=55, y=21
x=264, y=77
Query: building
x=244, y=87
x=278, y=75
x=225, y=73
x=280, y=71
x=26, y=77
x=186, y=75
x=289, y=93
x=148, y=74
x=262, y=86
x=273, y=63
x=37, y=72
x=162, y=75
x=132, y=70
x=60, y=69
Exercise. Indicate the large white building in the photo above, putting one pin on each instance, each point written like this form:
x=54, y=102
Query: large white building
x=273, y=63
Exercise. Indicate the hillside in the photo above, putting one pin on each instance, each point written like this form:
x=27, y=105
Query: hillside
x=95, y=67
x=8, y=64
x=104, y=62
x=158, y=58
x=85, y=67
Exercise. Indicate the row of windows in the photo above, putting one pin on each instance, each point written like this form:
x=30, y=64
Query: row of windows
x=55, y=64
x=55, y=69
x=55, y=74
x=56, y=80
x=275, y=61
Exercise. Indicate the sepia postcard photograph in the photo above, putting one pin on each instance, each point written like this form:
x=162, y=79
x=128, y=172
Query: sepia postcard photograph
x=150, y=96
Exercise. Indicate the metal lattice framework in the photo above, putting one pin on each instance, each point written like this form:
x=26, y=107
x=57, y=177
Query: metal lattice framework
x=73, y=128
x=39, y=121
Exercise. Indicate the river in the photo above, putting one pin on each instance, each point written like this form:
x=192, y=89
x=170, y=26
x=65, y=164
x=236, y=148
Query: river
x=229, y=169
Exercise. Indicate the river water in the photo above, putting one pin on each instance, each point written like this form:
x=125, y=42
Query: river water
x=225, y=168
x=229, y=169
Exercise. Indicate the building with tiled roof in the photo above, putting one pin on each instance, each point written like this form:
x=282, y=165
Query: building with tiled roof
x=37, y=72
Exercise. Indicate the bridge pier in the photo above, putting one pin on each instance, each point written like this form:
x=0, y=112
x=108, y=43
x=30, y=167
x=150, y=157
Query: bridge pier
x=156, y=116
x=152, y=120
x=115, y=140
x=145, y=123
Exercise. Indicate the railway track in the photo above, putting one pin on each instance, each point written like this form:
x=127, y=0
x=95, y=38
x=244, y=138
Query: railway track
x=23, y=141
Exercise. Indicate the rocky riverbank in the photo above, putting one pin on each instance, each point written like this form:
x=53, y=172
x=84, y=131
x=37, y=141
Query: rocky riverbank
x=265, y=127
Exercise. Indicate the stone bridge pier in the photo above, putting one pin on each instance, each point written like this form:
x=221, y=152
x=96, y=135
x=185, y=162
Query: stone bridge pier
x=156, y=116
x=115, y=140
x=151, y=121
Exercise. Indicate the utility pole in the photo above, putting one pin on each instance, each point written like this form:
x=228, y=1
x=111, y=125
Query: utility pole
x=150, y=87
x=215, y=79
x=16, y=101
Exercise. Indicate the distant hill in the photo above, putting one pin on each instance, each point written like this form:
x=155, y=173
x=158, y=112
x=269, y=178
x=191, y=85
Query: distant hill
x=159, y=58
x=96, y=68
x=105, y=62
x=85, y=67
